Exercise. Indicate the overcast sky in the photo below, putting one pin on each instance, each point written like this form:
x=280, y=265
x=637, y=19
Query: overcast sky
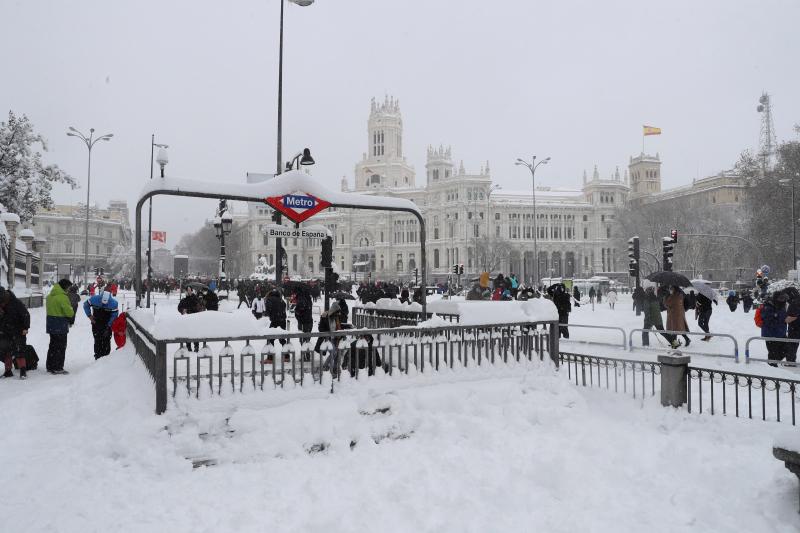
x=574, y=80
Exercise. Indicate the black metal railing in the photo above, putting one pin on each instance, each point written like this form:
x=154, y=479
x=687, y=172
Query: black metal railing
x=743, y=395
x=154, y=356
x=297, y=359
x=373, y=318
x=606, y=372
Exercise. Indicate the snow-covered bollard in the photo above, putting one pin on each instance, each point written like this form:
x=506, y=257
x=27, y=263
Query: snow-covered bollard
x=674, y=369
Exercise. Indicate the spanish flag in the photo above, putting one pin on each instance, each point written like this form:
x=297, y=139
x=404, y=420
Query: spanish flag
x=650, y=130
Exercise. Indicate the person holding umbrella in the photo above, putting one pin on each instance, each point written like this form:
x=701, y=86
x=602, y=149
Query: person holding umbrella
x=676, y=315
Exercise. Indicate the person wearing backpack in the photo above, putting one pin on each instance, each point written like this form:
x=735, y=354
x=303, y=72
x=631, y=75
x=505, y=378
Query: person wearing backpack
x=772, y=314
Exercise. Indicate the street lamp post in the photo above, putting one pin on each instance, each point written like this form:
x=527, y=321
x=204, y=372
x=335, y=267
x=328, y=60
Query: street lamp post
x=163, y=159
x=222, y=224
x=279, y=143
x=90, y=142
x=532, y=166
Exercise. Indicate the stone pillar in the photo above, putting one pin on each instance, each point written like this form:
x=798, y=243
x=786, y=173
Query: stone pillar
x=38, y=247
x=26, y=236
x=674, y=371
x=11, y=221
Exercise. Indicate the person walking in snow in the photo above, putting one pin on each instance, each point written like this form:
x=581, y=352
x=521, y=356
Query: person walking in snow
x=189, y=305
x=303, y=311
x=676, y=315
x=60, y=315
x=14, y=323
x=732, y=300
x=101, y=309
x=702, y=313
x=652, y=316
x=611, y=298
x=275, y=309
x=258, y=306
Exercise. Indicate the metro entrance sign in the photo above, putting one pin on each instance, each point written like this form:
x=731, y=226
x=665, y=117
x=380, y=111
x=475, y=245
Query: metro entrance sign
x=298, y=206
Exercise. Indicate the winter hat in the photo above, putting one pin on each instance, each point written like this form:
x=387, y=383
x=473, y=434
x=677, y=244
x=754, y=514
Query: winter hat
x=106, y=297
x=64, y=283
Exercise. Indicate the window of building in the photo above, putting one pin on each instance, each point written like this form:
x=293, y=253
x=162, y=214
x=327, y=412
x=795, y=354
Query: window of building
x=497, y=231
x=585, y=233
x=436, y=258
x=497, y=216
x=436, y=176
x=68, y=247
x=608, y=232
x=266, y=239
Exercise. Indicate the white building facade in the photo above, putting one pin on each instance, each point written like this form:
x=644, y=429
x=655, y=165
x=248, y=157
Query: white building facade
x=468, y=222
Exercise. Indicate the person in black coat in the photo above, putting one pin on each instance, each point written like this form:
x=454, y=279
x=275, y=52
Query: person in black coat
x=211, y=301
x=344, y=311
x=561, y=299
x=703, y=314
x=638, y=297
x=275, y=309
x=303, y=310
x=189, y=305
x=14, y=324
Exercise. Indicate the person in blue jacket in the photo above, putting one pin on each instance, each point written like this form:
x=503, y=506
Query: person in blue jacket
x=101, y=309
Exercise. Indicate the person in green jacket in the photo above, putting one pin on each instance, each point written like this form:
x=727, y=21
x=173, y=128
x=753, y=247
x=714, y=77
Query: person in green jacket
x=652, y=316
x=59, y=315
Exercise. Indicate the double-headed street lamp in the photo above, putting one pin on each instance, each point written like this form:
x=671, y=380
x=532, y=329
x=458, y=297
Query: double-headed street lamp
x=223, y=223
x=532, y=166
x=90, y=142
x=279, y=161
x=162, y=160
x=791, y=182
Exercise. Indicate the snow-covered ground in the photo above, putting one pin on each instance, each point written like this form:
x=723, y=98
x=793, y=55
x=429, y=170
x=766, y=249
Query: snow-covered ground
x=506, y=448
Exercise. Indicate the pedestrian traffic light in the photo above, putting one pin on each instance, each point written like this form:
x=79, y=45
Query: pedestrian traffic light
x=455, y=270
x=461, y=269
x=674, y=235
x=327, y=252
x=668, y=247
x=276, y=217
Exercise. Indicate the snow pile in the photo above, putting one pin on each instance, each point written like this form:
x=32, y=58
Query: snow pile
x=207, y=324
x=474, y=312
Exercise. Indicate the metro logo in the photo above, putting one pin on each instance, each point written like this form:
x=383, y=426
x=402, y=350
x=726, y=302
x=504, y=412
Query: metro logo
x=297, y=201
x=298, y=206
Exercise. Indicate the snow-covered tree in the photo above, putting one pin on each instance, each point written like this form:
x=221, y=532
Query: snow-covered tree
x=121, y=261
x=26, y=183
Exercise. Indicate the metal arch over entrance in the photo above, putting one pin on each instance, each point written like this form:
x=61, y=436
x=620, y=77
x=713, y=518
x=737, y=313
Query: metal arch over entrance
x=284, y=184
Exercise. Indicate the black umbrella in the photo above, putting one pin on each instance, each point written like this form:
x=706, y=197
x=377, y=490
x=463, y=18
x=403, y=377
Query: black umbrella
x=198, y=286
x=673, y=279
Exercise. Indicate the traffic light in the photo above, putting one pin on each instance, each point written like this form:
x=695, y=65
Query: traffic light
x=276, y=217
x=455, y=270
x=633, y=258
x=668, y=248
x=96, y=271
x=331, y=280
x=461, y=269
x=674, y=236
x=416, y=272
x=327, y=252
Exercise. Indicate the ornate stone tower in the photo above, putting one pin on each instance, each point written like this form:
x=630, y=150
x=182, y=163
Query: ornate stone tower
x=439, y=165
x=645, y=175
x=383, y=165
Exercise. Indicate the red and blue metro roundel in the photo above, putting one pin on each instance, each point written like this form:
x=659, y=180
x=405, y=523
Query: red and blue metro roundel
x=298, y=206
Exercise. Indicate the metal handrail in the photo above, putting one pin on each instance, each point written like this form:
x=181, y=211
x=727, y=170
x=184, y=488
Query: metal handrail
x=696, y=333
x=616, y=328
x=747, y=357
